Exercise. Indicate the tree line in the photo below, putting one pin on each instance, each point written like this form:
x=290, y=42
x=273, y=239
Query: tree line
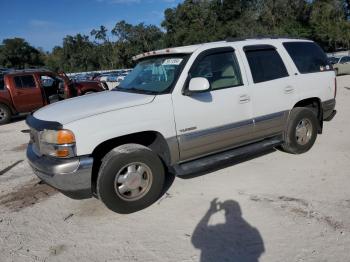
x=191, y=22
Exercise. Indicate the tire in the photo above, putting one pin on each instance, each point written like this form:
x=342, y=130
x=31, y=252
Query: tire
x=5, y=114
x=123, y=186
x=305, y=121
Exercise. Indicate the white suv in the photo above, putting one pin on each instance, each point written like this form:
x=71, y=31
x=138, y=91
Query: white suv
x=182, y=111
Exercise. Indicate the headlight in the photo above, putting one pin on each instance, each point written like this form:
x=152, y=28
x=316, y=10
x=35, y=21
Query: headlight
x=57, y=143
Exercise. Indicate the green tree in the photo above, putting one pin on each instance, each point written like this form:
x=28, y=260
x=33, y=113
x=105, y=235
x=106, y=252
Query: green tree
x=135, y=39
x=100, y=34
x=17, y=53
x=329, y=24
x=79, y=54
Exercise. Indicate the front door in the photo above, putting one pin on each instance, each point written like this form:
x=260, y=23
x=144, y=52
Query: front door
x=220, y=118
x=27, y=94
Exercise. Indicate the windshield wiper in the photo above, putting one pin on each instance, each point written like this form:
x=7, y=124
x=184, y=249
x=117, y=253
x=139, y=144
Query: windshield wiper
x=136, y=90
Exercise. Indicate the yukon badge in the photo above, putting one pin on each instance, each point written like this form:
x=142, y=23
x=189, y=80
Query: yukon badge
x=188, y=129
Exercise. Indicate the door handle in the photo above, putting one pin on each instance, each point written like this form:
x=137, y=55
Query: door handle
x=244, y=99
x=19, y=93
x=288, y=89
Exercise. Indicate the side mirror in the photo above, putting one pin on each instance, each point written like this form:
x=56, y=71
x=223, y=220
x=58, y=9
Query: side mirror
x=198, y=85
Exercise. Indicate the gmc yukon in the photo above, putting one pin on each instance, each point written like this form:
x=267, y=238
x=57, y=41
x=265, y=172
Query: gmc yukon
x=182, y=111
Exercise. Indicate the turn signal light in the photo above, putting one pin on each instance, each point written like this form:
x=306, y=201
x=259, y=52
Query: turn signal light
x=65, y=137
x=62, y=153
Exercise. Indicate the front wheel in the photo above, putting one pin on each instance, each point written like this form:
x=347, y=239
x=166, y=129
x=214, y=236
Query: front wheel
x=301, y=132
x=131, y=178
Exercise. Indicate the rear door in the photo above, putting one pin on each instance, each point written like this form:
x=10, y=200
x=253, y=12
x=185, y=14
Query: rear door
x=272, y=91
x=26, y=94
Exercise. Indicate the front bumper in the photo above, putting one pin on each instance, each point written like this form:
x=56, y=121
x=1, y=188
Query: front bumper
x=72, y=176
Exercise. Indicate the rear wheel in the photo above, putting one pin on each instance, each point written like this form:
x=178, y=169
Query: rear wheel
x=5, y=114
x=131, y=178
x=301, y=131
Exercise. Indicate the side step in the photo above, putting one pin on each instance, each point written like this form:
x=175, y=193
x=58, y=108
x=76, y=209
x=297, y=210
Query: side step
x=209, y=162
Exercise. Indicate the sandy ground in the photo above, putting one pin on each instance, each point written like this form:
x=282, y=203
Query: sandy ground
x=276, y=207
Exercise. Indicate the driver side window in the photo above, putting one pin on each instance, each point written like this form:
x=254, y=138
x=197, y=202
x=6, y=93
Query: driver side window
x=220, y=69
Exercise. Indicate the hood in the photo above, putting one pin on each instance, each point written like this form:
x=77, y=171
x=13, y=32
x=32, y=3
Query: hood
x=80, y=107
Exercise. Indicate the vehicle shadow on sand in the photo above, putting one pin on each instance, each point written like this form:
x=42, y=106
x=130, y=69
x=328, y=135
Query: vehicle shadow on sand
x=235, y=240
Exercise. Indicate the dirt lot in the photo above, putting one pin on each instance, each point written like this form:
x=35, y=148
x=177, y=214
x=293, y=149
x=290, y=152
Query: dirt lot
x=276, y=207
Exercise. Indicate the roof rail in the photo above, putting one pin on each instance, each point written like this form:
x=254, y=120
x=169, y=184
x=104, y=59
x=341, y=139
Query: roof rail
x=236, y=39
x=28, y=70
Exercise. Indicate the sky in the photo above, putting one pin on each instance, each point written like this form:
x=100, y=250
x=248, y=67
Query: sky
x=44, y=23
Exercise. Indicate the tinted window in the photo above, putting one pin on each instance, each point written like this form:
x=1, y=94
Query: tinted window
x=308, y=57
x=266, y=65
x=28, y=81
x=25, y=81
x=345, y=59
x=333, y=60
x=221, y=70
x=18, y=81
x=2, y=83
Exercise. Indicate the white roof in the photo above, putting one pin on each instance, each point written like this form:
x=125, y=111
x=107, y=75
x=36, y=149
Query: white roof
x=172, y=50
x=191, y=48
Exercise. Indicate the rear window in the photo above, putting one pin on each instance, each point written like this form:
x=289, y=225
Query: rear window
x=265, y=65
x=25, y=81
x=308, y=57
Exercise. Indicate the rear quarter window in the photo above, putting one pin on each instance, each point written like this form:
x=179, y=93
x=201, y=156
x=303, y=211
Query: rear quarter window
x=308, y=57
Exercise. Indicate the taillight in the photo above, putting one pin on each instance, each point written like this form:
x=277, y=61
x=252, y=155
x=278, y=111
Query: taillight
x=335, y=87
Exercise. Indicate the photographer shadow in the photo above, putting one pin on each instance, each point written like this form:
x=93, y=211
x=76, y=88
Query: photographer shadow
x=234, y=241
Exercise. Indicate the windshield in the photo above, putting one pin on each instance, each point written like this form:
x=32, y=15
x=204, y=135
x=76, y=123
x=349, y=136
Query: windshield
x=153, y=75
x=333, y=60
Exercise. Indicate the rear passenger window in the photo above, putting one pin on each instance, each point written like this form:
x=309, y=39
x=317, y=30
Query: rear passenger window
x=221, y=70
x=308, y=57
x=18, y=81
x=25, y=81
x=265, y=64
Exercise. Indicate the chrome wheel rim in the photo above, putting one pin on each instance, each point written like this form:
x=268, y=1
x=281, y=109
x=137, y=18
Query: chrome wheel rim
x=2, y=114
x=133, y=181
x=304, y=132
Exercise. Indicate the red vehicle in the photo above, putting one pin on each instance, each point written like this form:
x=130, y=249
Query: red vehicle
x=27, y=90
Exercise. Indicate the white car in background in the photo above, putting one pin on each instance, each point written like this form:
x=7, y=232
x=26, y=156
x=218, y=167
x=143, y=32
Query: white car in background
x=341, y=65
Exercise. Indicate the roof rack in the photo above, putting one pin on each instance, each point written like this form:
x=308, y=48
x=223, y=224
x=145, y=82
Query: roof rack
x=27, y=70
x=258, y=37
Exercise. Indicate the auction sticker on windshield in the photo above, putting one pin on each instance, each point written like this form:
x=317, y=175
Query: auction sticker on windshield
x=172, y=61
